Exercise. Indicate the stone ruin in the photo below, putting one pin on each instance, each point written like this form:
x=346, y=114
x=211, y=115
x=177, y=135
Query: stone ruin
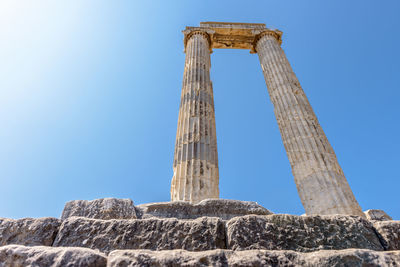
x=213, y=232
x=320, y=181
x=198, y=229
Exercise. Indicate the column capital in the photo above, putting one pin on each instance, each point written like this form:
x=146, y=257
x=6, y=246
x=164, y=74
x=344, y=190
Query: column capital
x=277, y=34
x=190, y=31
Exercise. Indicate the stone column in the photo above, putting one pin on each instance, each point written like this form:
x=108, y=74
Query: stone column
x=320, y=181
x=195, y=161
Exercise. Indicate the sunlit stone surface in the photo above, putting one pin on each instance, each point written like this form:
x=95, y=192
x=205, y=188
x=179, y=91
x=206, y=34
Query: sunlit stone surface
x=196, y=160
x=320, y=181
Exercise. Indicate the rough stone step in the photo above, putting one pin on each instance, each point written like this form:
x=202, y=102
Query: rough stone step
x=28, y=231
x=223, y=208
x=301, y=233
x=17, y=255
x=114, y=208
x=254, y=258
x=157, y=234
x=104, y=208
x=273, y=232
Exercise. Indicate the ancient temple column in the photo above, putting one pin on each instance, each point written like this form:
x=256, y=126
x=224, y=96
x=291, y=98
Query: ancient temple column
x=195, y=161
x=320, y=181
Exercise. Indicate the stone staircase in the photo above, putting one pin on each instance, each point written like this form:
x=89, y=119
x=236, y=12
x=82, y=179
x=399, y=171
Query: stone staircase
x=214, y=232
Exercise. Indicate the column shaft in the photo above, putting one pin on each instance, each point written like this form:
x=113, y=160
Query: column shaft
x=320, y=181
x=195, y=161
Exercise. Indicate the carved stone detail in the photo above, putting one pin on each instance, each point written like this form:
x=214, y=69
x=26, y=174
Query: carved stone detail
x=320, y=181
x=196, y=161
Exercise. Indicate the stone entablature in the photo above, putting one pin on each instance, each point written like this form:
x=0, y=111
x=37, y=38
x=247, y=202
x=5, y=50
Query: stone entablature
x=232, y=35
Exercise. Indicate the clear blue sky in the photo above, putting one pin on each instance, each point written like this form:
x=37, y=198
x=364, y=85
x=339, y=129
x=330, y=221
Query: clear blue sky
x=90, y=92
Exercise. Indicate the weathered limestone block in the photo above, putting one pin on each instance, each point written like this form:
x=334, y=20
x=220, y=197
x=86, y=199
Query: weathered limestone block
x=377, y=215
x=350, y=257
x=223, y=208
x=219, y=257
x=328, y=258
x=390, y=234
x=167, y=258
x=28, y=231
x=304, y=234
x=104, y=208
x=155, y=234
x=21, y=256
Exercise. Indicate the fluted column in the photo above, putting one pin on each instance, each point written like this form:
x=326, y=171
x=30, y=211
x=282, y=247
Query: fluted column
x=195, y=161
x=320, y=181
